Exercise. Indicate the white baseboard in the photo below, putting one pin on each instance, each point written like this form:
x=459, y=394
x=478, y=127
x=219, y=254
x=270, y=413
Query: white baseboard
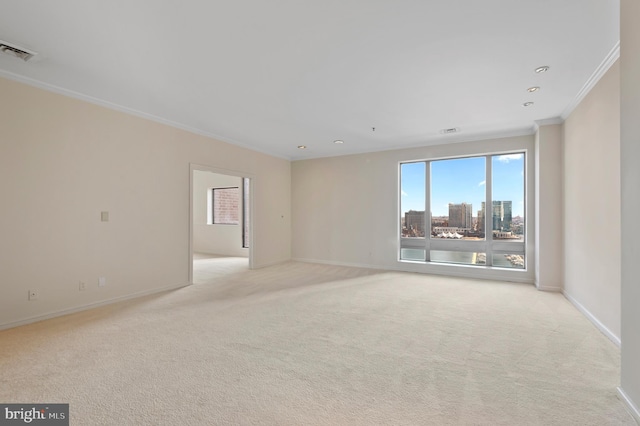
x=459, y=271
x=595, y=321
x=553, y=289
x=62, y=312
x=335, y=263
x=633, y=410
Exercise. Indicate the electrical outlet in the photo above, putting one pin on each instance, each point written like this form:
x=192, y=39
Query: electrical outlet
x=82, y=286
x=33, y=294
x=102, y=281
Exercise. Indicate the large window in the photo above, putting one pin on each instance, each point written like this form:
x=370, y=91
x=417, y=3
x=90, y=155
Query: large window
x=468, y=211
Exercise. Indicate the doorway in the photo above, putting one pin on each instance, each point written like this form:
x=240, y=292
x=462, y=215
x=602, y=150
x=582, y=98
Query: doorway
x=221, y=223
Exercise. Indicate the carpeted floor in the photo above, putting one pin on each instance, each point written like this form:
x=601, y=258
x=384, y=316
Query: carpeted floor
x=303, y=344
x=208, y=268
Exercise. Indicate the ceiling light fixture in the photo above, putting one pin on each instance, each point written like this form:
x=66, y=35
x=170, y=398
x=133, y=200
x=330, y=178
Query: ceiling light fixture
x=302, y=146
x=526, y=104
x=533, y=89
x=544, y=68
x=338, y=142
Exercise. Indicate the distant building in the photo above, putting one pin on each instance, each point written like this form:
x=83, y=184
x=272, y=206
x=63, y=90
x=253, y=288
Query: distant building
x=503, y=235
x=449, y=232
x=498, y=214
x=414, y=221
x=480, y=226
x=439, y=221
x=506, y=207
x=460, y=215
x=502, y=211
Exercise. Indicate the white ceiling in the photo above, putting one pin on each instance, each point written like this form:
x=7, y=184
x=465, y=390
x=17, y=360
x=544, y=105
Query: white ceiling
x=272, y=75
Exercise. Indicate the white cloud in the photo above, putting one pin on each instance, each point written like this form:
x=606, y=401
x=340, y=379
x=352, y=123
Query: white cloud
x=508, y=157
x=404, y=193
x=482, y=183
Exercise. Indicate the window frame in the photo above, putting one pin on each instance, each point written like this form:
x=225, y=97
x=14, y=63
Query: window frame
x=245, y=207
x=489, y=245
x=213, y=206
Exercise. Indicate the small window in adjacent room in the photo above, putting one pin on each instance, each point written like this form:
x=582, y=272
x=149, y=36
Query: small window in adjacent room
x=225, y=206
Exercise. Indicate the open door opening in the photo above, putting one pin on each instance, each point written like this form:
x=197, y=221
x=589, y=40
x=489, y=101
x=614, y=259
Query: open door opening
x=220, y=224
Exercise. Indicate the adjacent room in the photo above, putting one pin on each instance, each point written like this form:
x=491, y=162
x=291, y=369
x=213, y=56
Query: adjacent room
x=320, y=212
x=221, y=224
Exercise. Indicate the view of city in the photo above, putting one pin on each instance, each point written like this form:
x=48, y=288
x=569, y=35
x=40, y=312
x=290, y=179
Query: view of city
x=461, y=224
x=456, y=186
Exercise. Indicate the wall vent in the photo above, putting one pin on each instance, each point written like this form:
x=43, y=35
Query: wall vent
x=16, y=52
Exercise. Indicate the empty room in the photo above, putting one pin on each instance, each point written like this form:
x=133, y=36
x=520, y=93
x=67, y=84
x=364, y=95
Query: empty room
x=322, y=213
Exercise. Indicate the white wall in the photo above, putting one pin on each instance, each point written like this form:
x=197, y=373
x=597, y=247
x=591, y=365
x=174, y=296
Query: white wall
x=548, y=195
x=345, y=209
x=214, y=239
x=63, y=161
x=630, y=178
x=592, y=204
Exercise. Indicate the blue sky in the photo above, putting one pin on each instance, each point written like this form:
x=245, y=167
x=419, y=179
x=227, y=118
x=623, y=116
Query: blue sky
x=462, y=180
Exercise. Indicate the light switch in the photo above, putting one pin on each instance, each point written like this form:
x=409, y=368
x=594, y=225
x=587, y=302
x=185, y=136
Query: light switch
x=104, y=216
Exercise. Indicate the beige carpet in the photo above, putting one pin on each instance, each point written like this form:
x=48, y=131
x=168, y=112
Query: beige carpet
x=208, y=268
x=300, y=344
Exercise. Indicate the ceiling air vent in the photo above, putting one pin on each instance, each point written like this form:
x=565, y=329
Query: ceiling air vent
x=450, y=130
x=16, y=52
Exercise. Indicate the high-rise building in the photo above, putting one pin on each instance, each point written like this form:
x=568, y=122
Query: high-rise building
x=460, y=215
x=502, y=215
x=498, y=214
x=481, y=218
x=506, y=221
x=414, y=220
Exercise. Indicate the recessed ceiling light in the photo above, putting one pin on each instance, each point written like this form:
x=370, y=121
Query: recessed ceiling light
x=544, y=68
x=302, y=146
x=338, y=141
x=533, y=89
x=526, y=104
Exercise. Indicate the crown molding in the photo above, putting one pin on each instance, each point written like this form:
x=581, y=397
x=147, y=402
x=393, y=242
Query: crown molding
x=604, y=66
x=602, y=69
x=130, y=111
x=546, y=122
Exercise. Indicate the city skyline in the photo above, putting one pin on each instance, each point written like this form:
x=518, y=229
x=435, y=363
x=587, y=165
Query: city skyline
x=463, y=180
